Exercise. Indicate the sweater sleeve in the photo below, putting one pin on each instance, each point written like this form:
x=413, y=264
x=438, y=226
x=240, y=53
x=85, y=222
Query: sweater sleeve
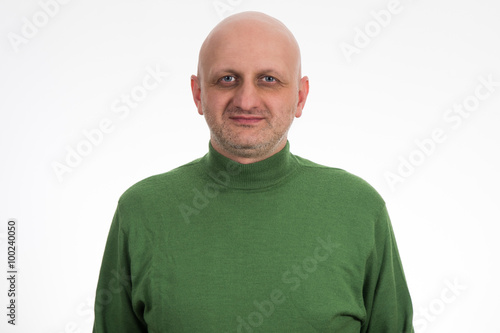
x=387, y=299
x=114, y=309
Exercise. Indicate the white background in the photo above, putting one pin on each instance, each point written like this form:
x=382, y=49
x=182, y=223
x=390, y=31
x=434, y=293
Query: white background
x=364, y=114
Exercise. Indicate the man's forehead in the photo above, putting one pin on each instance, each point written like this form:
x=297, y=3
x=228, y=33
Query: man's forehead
x=244, y=51
x=244, y=62
x=250, y=37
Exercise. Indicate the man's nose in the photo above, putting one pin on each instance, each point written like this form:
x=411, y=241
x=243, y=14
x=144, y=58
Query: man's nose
x=247, y=96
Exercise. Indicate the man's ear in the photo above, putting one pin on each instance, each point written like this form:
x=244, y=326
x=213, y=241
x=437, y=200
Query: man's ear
x=303, y=92
x=196, y=90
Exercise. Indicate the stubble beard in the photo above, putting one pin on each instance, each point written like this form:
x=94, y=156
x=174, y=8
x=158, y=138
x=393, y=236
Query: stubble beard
x=266, y=140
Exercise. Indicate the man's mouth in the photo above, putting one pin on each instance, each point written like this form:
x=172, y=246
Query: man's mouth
x=246, y=120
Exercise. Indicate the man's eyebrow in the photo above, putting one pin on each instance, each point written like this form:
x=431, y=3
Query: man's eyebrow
x=271, y=72
x=221, y=71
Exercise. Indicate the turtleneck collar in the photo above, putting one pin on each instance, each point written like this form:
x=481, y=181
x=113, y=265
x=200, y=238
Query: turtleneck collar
x=258, y=175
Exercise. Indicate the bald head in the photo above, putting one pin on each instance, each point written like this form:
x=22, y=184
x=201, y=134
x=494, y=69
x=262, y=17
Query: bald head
x=249, y=86
x=240, y=33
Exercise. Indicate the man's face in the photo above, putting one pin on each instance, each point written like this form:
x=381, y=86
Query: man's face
x=249, y=90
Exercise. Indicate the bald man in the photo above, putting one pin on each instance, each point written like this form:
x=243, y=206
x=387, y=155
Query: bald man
x=249, y=237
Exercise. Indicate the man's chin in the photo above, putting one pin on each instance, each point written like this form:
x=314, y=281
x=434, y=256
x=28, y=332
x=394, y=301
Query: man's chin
x=245, y=145
x=247, y=148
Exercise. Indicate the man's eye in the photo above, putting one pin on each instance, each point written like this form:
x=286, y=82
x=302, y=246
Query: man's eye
x=269, y=79
x=228, y=78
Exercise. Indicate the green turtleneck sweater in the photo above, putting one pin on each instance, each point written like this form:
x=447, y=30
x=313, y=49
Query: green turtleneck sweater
x=281, y=245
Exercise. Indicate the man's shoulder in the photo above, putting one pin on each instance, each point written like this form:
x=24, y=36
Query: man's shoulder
x=160, y=183
x=338, y=180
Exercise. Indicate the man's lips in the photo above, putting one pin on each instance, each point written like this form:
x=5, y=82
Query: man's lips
x=246, y=120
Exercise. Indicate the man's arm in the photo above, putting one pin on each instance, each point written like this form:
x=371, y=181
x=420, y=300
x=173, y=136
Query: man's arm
x=114, y=309
x=387, y=299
